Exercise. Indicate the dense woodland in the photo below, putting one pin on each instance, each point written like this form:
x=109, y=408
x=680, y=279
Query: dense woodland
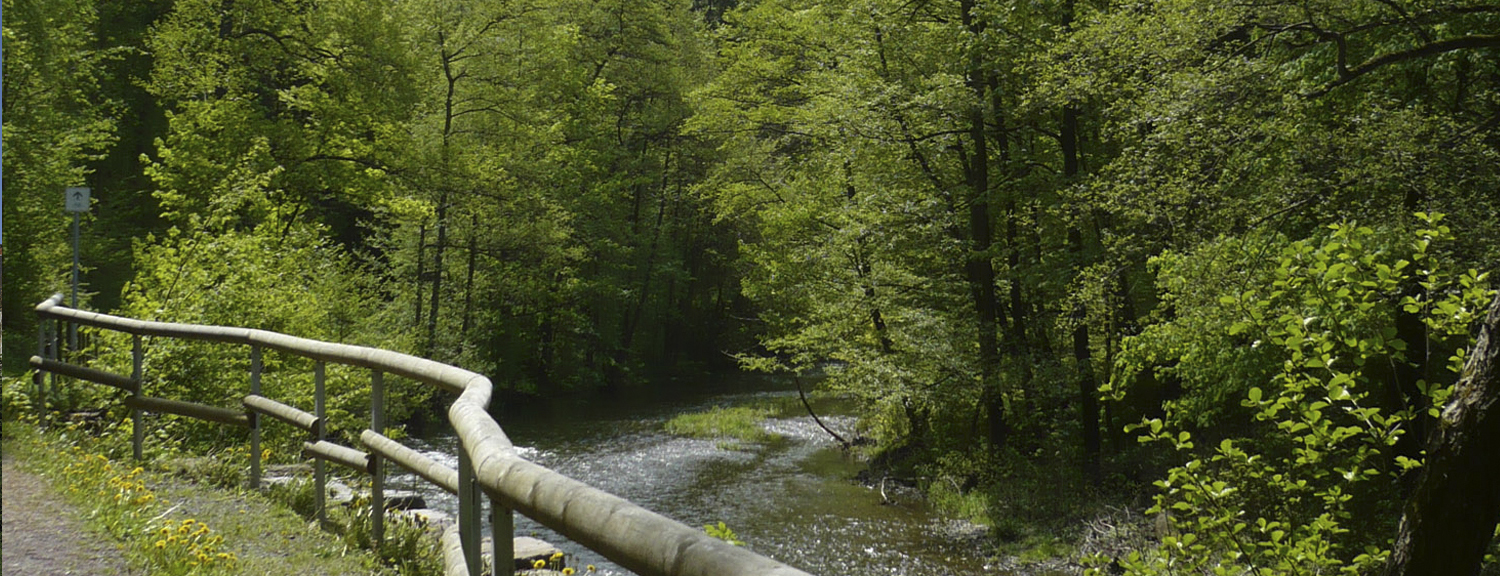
x=1227, y=255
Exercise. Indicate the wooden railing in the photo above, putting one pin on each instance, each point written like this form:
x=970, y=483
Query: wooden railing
x=488, y=465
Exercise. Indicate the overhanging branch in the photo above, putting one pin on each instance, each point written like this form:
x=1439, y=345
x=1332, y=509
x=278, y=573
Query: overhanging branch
x=1347, y=75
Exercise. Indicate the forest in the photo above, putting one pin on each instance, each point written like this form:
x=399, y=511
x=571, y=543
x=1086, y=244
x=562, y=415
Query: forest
x=1221, y=259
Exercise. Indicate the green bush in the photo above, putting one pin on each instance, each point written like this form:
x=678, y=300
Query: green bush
x=283, y=279
x=1313, y=485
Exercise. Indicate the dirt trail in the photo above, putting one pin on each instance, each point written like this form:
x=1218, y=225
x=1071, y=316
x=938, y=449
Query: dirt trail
x=43, y=536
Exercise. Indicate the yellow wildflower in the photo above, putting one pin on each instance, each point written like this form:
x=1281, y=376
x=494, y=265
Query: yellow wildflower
x=539, y=564
x=567, y=571
x=161, y=543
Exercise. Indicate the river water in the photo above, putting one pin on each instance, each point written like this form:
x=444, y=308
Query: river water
x=793, y=500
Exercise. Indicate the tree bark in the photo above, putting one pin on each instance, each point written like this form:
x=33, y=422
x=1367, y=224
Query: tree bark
x=1451, y=516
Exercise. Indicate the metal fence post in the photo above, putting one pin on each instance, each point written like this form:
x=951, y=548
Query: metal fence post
x=56, y=346
x=377, y=464
x=320, y=474
x=137, y=373
x=39, y=378
x=470, y=509
x=502, y=535
x=254, y=419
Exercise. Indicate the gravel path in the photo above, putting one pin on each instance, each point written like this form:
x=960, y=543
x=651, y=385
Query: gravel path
x=43, y=536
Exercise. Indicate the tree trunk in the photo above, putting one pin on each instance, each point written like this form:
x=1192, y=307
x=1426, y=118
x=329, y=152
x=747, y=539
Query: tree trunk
x=469, y=277
x=1088, y=387
x=421, y=247
x=1451, y=516
x=981, y=270
x=437, y=273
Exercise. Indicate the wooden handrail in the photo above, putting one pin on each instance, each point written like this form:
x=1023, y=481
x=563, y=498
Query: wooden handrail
x=640, y=540
x=431, y=471
x=189, y=409
x=125, y=383
x=342, y=455
x=284, y=413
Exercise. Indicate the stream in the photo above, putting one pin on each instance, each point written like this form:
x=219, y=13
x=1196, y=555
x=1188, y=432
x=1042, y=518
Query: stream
x=793, y=499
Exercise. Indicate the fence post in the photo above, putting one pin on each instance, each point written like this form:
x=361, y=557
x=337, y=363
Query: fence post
x=254, y=419
x=39, y=378
x=137, y=373
x=320, y=477
x=56, y=347
x=502, y=535
x=470, y=507
x=377, y=464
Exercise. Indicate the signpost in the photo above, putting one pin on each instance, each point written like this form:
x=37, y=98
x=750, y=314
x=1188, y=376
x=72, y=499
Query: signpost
x=76, y=201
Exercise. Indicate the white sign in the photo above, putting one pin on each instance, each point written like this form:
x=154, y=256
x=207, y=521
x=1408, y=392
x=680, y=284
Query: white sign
x=77, y=198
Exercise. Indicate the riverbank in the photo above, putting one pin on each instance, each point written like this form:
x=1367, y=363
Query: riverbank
x=980, y=519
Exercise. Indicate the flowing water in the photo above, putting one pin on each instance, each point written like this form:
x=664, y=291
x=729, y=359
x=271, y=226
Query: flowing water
x=793, y=499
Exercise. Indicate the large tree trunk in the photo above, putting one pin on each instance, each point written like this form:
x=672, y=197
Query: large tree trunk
x=1088, y=388
x=1451, y=516
x=981, y=270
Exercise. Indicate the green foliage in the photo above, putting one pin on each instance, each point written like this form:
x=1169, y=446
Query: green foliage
x=1311, y=487
x=16, y=394
x=723, y=532
x=740, y=423
x=300, y=495
x=840, y=168
x=56, y=122
x=287, y=280
x=409, y=545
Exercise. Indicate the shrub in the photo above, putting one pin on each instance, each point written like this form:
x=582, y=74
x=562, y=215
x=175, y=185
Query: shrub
x=1314, y=486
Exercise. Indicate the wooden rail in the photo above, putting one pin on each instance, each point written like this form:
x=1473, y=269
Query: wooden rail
x=96, y=376
x=635, y=538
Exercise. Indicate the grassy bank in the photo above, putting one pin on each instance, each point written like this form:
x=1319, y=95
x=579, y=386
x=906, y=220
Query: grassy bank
x=168, y=523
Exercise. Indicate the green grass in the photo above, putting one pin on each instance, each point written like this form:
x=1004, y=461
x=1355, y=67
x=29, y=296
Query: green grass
x=265, y=536
x=720, y=423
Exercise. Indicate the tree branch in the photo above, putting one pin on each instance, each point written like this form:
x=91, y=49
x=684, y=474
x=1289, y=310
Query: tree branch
x=1347, y=75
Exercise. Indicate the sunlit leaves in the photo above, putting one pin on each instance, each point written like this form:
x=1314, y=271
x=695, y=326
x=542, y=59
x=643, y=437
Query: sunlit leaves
x=1326, y=473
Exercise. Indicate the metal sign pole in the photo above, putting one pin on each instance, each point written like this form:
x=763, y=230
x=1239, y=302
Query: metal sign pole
x=73, y=326
x=75, y=200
